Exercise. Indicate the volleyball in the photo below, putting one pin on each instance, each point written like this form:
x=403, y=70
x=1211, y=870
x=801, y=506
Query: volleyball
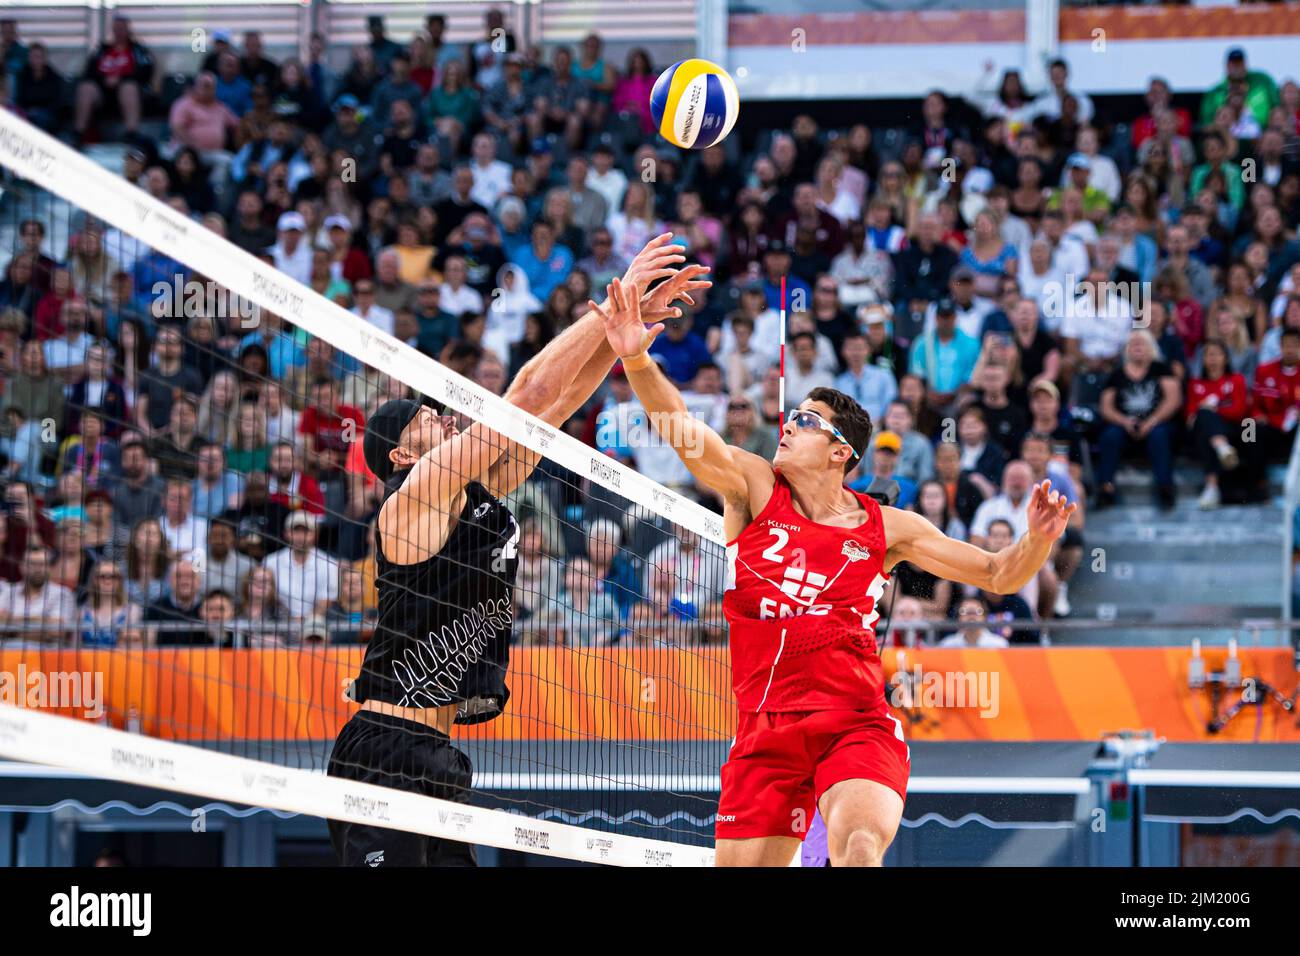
x=694, y=103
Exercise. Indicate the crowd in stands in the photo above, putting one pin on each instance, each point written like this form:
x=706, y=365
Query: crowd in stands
x=1025, y=288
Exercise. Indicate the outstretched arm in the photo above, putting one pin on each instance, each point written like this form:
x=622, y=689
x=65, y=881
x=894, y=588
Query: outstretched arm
x=913, y=538
x=564, y=376
x=713, y=462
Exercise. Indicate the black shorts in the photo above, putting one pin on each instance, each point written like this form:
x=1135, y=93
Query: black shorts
x=392, y=752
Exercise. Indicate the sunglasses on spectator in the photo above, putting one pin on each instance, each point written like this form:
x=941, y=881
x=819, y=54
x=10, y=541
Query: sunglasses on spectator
x=740, y=407
x=807, y=419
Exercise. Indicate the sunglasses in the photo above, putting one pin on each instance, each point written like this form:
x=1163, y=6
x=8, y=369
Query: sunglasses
x=739, y=407
x=806, y=419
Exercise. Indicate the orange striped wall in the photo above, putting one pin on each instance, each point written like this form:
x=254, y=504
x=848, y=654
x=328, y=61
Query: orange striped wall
x=1042, y=693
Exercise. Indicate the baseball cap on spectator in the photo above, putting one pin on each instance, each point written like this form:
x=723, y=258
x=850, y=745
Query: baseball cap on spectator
x=221, y=35
x=338, y=221
x=1043, y=385
x=301, y=519
x=291, y=220
x=934, y=157
x=1078, y=161
x=888, y=441
x=1237, y=53
x=873, y=313
x=775, y=245
x=136, y=153
x=963, y=274
x=346, y=102
x=945, y=306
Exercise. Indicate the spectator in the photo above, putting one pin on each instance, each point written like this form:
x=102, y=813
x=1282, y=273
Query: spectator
x=161, y=384
x=106, y=611
x=39, y=395
x=65, y=356
x=348, y=618
x=943, y=356
x=225, y=567
x=1051, y=103
x=263, y=616
x=1139, y=404
x=37, y=609
x=972, y=613
x=38, y=89
x=454, y=106
x=119, y=72
x=176, y=449
x=885, y=449
x=562, y=102
x=922, y=269
x=307, y=577
x=199, y=120
x=1004, y=608
x=1261, y=93
x=289, y=487
x=185, y=533
x=231, y=87
x=1276, y=400
x=871, y=386
x=169, y=615
x=215, y=488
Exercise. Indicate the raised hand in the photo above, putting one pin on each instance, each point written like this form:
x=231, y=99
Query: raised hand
x=1048, y=512
x=627, y=334
x=657, y=304
x=653, y=262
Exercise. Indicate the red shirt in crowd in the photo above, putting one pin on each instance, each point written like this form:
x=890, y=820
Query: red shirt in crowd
x=299, y=492
x=1277, y=392
x=1145, y=126
x=332, y=431
x=118, y=62
x=1230, y=392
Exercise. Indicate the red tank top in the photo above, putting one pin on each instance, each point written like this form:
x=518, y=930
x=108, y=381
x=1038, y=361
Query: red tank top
x=801, y=605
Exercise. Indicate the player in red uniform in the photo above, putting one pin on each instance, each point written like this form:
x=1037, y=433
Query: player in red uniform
x=808, y=561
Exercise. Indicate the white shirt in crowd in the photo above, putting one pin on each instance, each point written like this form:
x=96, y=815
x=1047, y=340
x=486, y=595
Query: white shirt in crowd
x=377, y=316
x=302, y=586
x=986, y=639
x=296, y=264
x=1101, y=331
x=189, y=537
x=490, y=182
x=459, y=301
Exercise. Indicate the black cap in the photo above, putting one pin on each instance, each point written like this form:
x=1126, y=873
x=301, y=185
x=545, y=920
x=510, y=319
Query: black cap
x=944, y=306
x=384, y=431
x=776, y=245
x=1236, y=53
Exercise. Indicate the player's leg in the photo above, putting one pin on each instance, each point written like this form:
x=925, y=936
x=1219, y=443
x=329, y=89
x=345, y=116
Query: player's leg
x=860, y=783
x=756, y=851
x=767, y=799
x=861, y=817
x=370, y=751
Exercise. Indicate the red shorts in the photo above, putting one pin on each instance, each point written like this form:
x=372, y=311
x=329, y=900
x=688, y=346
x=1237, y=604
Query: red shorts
x=781, y=764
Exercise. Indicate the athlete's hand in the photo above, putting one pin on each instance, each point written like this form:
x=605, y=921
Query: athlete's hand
x=653, y=262
x=1048, y=511
x=657, y=304
x=627, y=334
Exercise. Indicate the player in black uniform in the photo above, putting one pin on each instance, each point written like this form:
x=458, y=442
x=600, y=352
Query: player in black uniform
x=446, y=562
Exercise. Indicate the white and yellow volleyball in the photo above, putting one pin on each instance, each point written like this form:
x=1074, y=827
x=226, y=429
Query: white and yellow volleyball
x=694, y=103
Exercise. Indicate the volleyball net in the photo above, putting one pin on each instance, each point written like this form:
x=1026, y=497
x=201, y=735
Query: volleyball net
x=189, y=539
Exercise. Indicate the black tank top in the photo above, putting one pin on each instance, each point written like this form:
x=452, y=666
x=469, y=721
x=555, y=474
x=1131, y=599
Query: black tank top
x=443, y=634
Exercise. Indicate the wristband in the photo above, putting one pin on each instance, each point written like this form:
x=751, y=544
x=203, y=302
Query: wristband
x=637, y=362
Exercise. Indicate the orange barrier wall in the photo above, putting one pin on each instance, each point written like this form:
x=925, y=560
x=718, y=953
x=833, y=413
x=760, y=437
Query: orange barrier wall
x=1036, y=693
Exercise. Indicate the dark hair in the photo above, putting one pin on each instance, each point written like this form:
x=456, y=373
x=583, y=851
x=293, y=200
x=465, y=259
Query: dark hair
x=1290, y=333
x=848, y=416
x=1002, y=521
